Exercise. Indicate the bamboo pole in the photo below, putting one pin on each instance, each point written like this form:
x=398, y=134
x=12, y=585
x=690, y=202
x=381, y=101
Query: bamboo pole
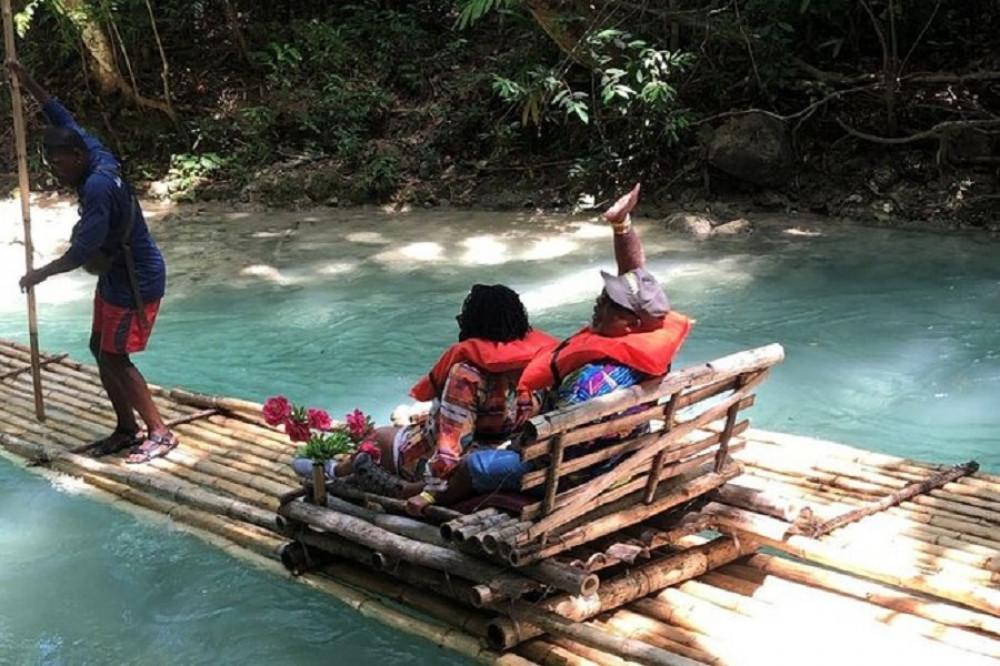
x=441, y=605
x=393, y=545
x=892, y=598
x=641, y=581
x=341, y=489
x=546, y=653
x=140, y=478
x=701, y=647
x=41, y=364
x=595, y=637
x=594, y=656
x=746, y=361
x=21, y=142
x=698, y=484
x=239, y=534
x=774, y=596
x=891, y=569
x=548, y=573
x=769, y=504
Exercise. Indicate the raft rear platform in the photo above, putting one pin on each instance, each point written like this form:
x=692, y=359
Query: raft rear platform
x=918, y=580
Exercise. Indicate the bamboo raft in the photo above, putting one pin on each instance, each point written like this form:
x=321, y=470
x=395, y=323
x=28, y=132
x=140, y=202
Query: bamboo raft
x=892, y=558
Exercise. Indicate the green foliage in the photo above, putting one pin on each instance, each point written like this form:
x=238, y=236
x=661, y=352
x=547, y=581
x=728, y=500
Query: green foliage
x=348, y=83
x=282, y=62
x=471, y=11
x=188, y=171
x=627, y=109
x=325, y=446
x=379, y=176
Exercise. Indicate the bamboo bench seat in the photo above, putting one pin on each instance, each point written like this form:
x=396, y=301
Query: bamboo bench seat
x=681, y=428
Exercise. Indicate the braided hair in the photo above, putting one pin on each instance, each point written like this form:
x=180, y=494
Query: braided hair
x=493, y=312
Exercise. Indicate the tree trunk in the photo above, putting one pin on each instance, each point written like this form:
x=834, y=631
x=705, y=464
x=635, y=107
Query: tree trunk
x=100, y=52
x=101, y=55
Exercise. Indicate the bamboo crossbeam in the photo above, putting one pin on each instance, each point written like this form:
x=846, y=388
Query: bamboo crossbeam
x=444, y=605
x=523, y=553
x=892, y=570
x=28, y=368
x=178, y=490
x=222, y=403
x=571, y=502
x=169, y=424
x=504, y=633
x=917, y=512
x=742, y=590
x=891, y=598
x=433, y=512
x=769, y=504
x=429, y=555
x=595, y=637
x=746, y=361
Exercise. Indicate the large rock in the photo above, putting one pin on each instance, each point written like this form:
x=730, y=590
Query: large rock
x=698, y=226
x=754, y=147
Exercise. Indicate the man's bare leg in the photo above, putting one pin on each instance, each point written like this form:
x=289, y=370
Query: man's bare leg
x=126, y=427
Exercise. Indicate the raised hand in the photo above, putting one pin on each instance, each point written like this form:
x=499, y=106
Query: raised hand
x=620, y=210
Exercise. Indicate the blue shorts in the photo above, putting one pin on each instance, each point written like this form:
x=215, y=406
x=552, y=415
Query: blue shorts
x=492, y=470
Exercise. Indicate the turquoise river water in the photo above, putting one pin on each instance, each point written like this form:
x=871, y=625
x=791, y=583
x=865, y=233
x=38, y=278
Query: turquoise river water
x=891, y=339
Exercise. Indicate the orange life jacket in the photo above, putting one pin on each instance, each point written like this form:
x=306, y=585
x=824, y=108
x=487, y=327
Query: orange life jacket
x=650, y=352
x=487, y=355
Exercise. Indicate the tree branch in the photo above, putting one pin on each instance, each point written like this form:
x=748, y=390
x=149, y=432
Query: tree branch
x=933, y=133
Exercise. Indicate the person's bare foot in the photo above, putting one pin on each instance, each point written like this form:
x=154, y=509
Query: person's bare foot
x=621, y=208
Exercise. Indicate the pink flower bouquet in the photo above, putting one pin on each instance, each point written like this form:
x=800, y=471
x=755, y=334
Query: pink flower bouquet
x=322, y=438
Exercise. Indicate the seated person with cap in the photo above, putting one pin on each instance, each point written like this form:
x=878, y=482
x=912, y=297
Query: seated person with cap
x=632, y=337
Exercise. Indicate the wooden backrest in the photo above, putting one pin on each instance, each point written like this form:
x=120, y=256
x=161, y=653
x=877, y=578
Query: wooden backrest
x=683, y=423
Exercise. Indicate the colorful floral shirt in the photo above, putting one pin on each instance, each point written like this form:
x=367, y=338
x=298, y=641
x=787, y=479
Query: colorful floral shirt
x=475, y=408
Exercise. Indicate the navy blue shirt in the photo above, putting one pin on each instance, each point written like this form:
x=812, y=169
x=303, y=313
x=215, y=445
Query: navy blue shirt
x=105, y=201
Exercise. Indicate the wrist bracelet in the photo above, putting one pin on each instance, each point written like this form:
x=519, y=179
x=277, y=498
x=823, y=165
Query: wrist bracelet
x=427, y=497
x=623, y=226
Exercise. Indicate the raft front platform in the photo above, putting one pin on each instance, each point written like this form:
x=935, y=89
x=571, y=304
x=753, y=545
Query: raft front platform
x=916, y=580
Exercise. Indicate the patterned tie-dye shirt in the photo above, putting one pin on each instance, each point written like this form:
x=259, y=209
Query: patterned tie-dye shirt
x=475, y=407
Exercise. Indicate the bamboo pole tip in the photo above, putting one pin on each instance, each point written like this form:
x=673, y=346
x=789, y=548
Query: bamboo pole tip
x=589, y=585
x=294, y=558
x=500, y=636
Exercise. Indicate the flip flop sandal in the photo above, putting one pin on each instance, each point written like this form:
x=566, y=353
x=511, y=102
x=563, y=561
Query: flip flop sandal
x=155, y=446
x=118, y=440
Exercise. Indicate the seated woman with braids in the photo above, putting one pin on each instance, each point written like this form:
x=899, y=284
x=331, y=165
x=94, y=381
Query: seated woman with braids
x=473, y=387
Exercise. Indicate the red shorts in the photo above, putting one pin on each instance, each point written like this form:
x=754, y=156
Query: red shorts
x=120, y=328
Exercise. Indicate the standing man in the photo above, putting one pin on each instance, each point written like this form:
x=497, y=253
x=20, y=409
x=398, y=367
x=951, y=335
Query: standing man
x=111, y=240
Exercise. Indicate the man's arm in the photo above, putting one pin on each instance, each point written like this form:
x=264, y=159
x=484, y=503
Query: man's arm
x=63, y=264
x=55, y=113
x=628, y=248
x=88, y=235
x=25, y=79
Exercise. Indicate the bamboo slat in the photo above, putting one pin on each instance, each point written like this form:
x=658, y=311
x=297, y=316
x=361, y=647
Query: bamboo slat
x=543, y=426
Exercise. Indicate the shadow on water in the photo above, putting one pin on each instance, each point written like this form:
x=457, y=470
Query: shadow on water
x=891, y=343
